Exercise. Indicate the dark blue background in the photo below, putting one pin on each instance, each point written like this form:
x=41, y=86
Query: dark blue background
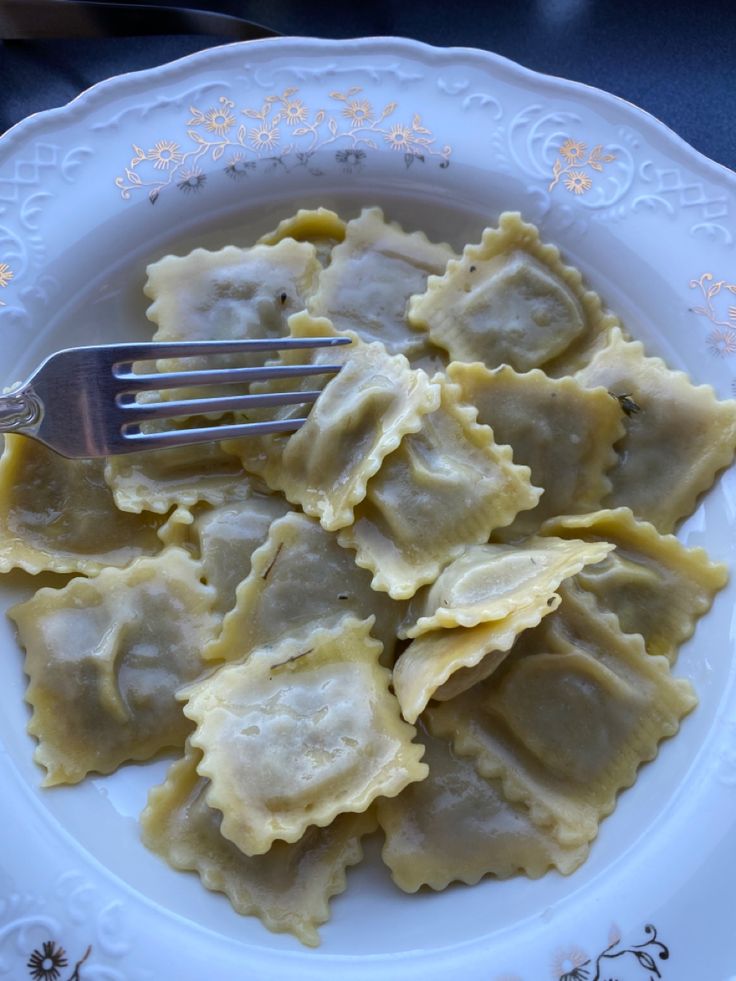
x=676, y=59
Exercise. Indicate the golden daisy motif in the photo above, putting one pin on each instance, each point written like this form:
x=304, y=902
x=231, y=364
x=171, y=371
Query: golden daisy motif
x=6, y=274
x=578, y=182
x=359, y=110
x=294, y=111
x=398, y=137
x=573, y=151
x=570, y=965
x=282, y=127
x=165, y=154
x=219, y=121
x=264, y=138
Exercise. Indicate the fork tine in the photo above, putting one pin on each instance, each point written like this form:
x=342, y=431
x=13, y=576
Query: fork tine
x=144, y=412
x=218, y=376
x=131, y=442
x=127, y=353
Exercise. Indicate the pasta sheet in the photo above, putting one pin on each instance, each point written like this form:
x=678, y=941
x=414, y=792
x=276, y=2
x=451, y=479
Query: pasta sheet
x=451, y=467
x=511, y=300
x=361, y=416
x=300, y=578
x=230, y=294
x=567, y=722
x=458, y=826
x=678, y=436
x=178, y=476
x=443, y=663
x=565, y=433
x=288, y=888
x=228, y=535
x=323, y=228
x=654, y=585
x=105, y=656
x=59, y=515
x=371, y=276
x=299, y=733
x=488, y=582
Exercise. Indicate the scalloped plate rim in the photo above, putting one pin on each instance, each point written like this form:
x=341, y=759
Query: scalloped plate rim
x=85, y=99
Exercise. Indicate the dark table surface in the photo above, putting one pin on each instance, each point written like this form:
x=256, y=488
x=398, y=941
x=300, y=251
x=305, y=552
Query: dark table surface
x=676, y=59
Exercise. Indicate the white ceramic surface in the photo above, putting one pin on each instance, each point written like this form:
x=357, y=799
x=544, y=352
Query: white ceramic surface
x=215, y=149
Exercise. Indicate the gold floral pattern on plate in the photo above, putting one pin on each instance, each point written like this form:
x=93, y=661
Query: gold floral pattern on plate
x=282, y=133
x=573, y=164
x=569, y=963
x=6, y=274
x=719, y=306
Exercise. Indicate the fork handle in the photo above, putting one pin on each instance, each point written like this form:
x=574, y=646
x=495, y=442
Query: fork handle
x=19, y=410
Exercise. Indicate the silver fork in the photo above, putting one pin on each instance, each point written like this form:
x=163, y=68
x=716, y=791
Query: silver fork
x=81, y=402
x=24, y=20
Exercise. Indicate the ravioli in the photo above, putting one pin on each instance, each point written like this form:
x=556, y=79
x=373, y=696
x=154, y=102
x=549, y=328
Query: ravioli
x=678, y=436
x=504, y=519
x=565, y=433
x=300, y=578
x=105, y=656
x=288, y=888
x=228, y=536
x=261, y=455
x=299, y=733
x=511, y=300
x=361, y=416
x=451, y=467
x=487, y=582
x=59, y=515
x=372, y=274
x=458, y=826
x=323, y=228
x=567, y=723
x=654, y=585
x=229, y=295
x=441, y=664
x=177, y=476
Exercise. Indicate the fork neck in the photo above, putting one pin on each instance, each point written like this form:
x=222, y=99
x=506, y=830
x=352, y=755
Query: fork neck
x=19, y=411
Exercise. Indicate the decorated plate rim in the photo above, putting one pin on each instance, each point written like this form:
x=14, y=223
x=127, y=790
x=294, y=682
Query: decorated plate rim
x=118, y=83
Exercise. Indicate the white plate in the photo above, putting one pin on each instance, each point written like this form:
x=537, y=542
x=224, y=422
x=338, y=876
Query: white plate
x=452, y=137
